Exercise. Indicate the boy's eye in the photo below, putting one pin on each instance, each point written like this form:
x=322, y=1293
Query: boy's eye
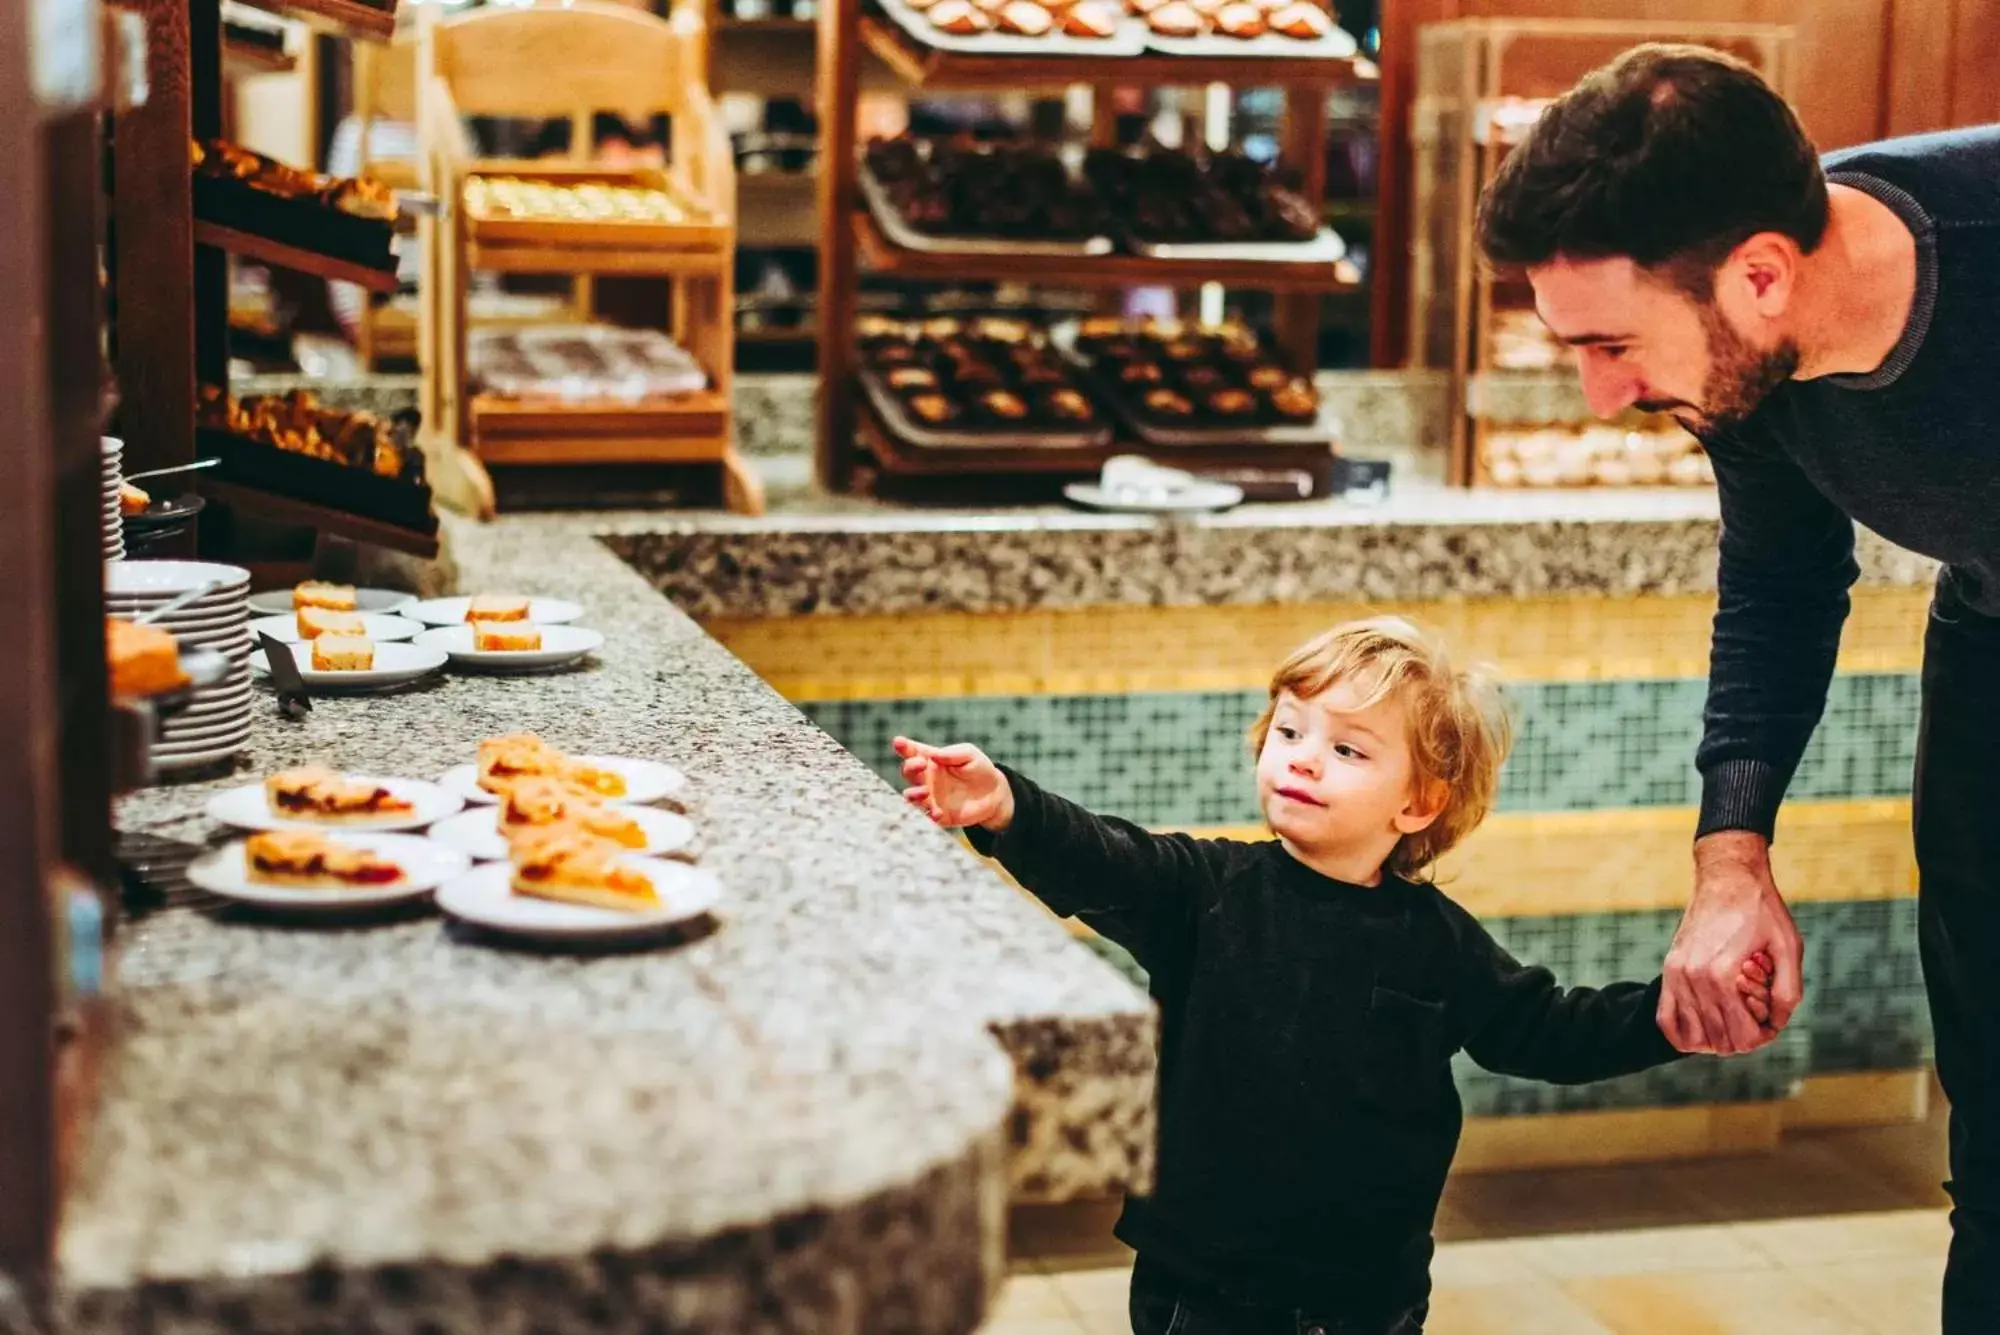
x=1346, y=752
x=1288, y=732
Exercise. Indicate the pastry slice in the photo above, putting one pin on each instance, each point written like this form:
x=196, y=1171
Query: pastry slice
x=959, y=18
x=330, y=597
x=1025, y=18
x=505, y=637
x=317, y=621
x=144, y=660
x=1093, y=18
x=591, y=779
x=132, y=500
x=496, y=607
x=1240, y=20
x=314, y=792
x=343, y=653
x=518, y=755
x=308, y=860
x=570, y=866
x=539, y=803
x=1303, y=21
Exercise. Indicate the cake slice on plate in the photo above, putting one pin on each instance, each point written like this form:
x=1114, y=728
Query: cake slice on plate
x=305, y=860
x=505, y=637
x=314, y=792
x=343, y=653
x=331, y=597
x=569, y=865
x=539, y=803
x=317, y=621
x=496, y=607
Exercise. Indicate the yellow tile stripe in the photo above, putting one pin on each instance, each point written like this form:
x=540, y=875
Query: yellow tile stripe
x=1630, y=861
x=1115, y=650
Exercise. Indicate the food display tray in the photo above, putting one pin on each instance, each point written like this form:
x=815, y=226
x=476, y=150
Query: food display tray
x=302, y=477
x=1336, y=45
x=900, y=424
x=1326, y=248
x=1128, y=40
x=299, y=221
x=890, y=219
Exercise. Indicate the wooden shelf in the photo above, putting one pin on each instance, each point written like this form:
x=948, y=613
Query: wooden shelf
x=246, y=58
x=344, y=18
x=879, y=255
x=923, y=67
x=772, y=26
x=293, y=257
x=693, y=428
x=306, y=514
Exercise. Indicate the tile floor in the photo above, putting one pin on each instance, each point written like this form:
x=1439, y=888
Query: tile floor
x=1837, y=1233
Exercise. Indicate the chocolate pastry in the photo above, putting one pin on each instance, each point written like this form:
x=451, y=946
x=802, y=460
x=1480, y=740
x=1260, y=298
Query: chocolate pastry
x=1303, y=21
x=996, y=330
x=913, y=377
x=1091, y=19
x=1068, y=405
x=1232, y=403
x=894, y=354
x=1203, y=379
x=1141, y=373
x=1177, y=18
x=1004, y=404
x=1183, y=350
x=978, y=375
x=944, y=326
x=1268, y=376
x=1025, y=18
x=1297, y=402
x=1168, y=403
x=1240, y=20
x=934, y=409
x=1043, y=373
x=871, y=329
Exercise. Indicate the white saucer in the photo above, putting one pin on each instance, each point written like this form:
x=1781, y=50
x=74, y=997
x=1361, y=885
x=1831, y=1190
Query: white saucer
x=451, y=611
x=246, y=809
x=476, y=832
x=560, y=645
x=396, y=664
x=483, y=897
x=166, y=762
x=425, y=865
x=159, y=580
x=645, y=780
x=376, y=627
x=1199, y=499
x=387, y=602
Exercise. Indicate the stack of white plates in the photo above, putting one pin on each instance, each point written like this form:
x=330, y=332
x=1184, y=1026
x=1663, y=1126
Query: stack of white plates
x=216, y=725
x=114, y=519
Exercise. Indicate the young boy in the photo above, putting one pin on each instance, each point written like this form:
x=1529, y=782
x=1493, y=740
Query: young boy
x=1312, y=989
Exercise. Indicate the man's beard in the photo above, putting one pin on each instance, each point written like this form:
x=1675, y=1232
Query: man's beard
x=1739, y=376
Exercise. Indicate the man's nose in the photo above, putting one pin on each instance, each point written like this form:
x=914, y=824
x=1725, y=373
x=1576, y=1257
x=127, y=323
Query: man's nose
x=1608, y=389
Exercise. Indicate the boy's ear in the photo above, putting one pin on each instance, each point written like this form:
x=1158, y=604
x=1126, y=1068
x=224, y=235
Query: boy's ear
x=1426, y=805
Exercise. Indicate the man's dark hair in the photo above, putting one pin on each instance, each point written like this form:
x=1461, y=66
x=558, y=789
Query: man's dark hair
x=1671, y=155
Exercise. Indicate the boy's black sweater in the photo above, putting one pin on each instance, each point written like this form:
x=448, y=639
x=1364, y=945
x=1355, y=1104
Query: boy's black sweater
x=1307, y=1111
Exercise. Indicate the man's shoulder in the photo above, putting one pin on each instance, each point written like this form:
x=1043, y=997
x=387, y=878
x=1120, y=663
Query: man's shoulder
x=1953, y=175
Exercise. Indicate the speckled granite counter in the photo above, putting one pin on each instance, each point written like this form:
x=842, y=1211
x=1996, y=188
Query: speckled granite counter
x=1425, y=542
x=800, y=1122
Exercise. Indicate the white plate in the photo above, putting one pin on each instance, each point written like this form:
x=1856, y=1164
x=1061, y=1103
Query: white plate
x=375, y=626
x=211, y=728
x=483, y=897
x=163, y=579
x=211, y=605
x=1188, y=500
x=560, y=645
x=246, y=809
x=200, y=750
x=425, y=865
x=476, y=832
x=395, y=665
x=165, y=764
x=645, y=780
x=278, y=602
x=451, y=611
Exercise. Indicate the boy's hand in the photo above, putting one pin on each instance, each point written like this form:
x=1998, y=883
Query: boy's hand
x=957, y=785
x=1754, y=986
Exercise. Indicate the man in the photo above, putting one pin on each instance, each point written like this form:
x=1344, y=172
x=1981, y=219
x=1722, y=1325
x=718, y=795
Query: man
x=1832, y=334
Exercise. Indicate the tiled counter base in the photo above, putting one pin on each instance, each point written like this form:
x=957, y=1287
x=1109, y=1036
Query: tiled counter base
x=806, y=1120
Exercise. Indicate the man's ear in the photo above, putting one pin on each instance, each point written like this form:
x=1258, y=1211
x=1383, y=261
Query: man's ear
x=1426, y=805
x=1761, y=274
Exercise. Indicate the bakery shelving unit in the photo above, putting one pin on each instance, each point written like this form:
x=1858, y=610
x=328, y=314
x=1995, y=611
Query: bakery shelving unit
x=169, y=276
x=1480, y=85
x=854, y=451
x=571, y=59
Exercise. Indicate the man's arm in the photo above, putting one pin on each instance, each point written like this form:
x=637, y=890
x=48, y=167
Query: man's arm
x=1786, y=563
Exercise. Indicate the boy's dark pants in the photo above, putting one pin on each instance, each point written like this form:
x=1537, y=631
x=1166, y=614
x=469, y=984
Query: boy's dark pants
x=1162, y=1306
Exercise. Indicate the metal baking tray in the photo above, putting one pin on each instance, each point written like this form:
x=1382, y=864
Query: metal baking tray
x=1323, y=430
x=1128, y=40
x=1326, y=248
x=900, y=233
x=904, y=427
x=1336, y=45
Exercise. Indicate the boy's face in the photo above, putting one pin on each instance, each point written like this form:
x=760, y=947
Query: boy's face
x=1334, y=777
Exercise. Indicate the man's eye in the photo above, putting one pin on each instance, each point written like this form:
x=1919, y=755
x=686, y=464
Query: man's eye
x=1614, y=351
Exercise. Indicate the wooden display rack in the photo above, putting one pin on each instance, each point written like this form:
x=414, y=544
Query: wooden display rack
x=570, y=59
x=851, y=446
x=1474, y=77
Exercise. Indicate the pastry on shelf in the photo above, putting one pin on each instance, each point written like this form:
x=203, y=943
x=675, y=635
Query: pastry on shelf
x=993, y=374
x=343, y=653
x=1240, y=20
x=1306, y=22
x=306, y=860
x=506, y=637
x=520, y=198
x=538, y=803
x=1025, y=18
x=331, y=597
x=1296, y=401
x=1090, y=19
x=317, y=621
x=143, y=660
x=314, y=792
x=1233, y=404
x=362, y=198
x=1168, y=403
x=571, y=866
x=933, y=409
x=960, y=18
x=1016, y=190
x=296, y=423
x=1177, y=18
x=1171, y=196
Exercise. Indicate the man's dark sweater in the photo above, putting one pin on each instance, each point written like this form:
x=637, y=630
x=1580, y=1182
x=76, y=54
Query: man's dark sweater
x=1911, y=449
x=1307, y=1111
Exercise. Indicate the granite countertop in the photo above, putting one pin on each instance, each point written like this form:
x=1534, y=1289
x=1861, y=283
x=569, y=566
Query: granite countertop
x=799, y=1121
x=1425, y=541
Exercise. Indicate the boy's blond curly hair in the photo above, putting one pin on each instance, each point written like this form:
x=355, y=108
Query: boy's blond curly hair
x=1459, y=729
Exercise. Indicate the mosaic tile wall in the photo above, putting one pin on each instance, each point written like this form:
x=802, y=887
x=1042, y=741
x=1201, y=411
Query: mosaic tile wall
x=1175, y=759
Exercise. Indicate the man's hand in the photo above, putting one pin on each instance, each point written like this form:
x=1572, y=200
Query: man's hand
x=956, y=785
x=1736, y=912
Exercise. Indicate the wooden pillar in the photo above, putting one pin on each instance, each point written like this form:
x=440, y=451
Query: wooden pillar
x=839, y=280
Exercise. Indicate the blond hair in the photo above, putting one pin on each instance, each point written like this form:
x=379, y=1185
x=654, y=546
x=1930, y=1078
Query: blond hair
x=1459, y=732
